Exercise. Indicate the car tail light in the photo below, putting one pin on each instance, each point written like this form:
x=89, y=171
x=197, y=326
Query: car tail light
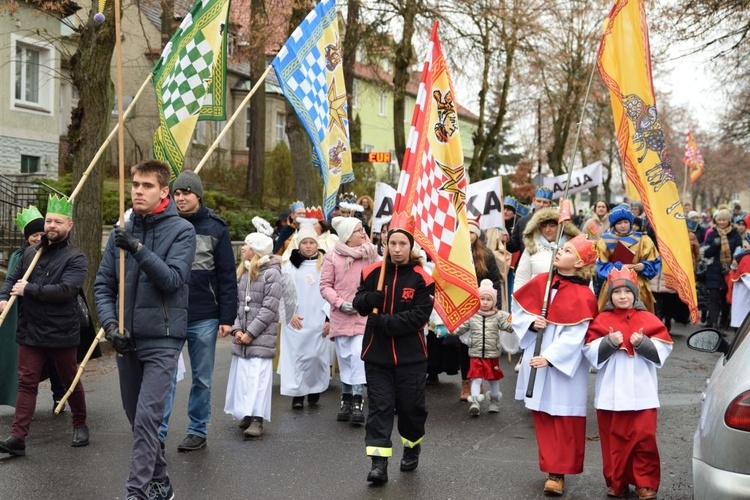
x=737, y=415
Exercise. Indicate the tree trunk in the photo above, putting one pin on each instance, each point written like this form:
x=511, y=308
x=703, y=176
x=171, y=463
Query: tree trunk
x=257, y=141
x=404, y=56
x=90, y=70
x=349, y=60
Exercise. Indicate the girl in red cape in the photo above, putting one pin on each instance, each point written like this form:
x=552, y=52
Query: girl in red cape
x=627, y=344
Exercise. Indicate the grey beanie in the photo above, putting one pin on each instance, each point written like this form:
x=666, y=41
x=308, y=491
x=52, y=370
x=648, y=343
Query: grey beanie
x=190, y=182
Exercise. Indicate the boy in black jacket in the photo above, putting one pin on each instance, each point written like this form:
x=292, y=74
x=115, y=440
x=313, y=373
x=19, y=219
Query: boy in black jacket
x=394, y=349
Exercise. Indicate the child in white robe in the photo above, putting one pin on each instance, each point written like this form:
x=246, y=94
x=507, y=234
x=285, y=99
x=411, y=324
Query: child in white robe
x=558, y=400
x=305, y=360
x=627, y=344
x=250, y=383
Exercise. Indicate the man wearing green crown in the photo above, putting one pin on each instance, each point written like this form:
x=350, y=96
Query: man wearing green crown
x=48, y=322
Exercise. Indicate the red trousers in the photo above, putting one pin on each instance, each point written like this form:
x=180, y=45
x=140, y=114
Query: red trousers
x=30, y=364
x=561, y=441
x=629, y=450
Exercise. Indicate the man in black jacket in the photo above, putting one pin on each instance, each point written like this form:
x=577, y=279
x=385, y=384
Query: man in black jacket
x=394, y=349
x=48, y=324
x=514, y=242
x=159, y=250
x=212, y=304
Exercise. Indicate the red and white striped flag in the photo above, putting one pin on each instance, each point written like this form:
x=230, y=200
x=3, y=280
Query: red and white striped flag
x=432, y=189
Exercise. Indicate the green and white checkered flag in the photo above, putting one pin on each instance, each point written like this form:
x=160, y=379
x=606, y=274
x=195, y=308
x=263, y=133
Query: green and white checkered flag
x=190, y=79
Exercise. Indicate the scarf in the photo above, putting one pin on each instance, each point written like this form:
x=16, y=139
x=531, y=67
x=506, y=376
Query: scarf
x=487, y=314
x=542, y=244
x=725, y=257
x=366, y=251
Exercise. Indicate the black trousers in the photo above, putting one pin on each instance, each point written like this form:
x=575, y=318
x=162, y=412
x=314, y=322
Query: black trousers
x=718, y=309
x=400, y=388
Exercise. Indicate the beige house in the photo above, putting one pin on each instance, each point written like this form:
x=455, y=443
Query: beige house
x=31, y=108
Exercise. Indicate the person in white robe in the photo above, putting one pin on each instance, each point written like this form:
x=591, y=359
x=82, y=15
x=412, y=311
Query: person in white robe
x=304, y=362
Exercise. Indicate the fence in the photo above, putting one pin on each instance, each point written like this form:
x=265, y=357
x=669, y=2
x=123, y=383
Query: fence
x=17, y=193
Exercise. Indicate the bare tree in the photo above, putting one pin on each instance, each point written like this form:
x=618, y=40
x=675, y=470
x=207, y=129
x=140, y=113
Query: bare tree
x=299, y=142
x=257, y=140
x=495, y=31
x=562, y=60
x=90, y=71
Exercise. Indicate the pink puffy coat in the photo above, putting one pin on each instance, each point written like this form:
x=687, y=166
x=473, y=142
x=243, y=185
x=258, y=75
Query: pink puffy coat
x=338, y=286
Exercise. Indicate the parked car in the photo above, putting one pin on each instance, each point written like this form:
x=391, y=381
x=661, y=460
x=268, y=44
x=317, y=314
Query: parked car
x=721, y=444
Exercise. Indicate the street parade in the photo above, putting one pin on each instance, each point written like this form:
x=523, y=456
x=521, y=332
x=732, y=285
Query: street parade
x=277, y=231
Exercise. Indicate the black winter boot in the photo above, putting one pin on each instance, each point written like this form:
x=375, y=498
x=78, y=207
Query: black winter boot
x=379, y=471
x=345, y=412
x=410, y=458
x=358, y=417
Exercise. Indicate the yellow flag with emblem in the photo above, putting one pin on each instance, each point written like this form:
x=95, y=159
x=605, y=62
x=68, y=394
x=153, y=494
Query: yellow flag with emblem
x=624, y=62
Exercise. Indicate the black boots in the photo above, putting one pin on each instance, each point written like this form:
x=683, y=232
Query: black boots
x=379, y=471
x=345, y=412
x=410, y=458
x=358, y=417
x=14, y=446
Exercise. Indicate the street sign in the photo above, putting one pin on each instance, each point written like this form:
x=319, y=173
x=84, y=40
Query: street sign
x=371, y=157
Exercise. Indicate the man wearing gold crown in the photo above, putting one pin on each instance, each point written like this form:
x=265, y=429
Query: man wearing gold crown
x=48, y=322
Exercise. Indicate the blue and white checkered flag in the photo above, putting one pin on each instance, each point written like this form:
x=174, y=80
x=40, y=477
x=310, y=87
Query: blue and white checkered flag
x=308, y=68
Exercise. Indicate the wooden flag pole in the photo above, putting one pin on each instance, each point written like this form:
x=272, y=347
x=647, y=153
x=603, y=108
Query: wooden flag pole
x=231, y=120
x=109, y=138
x=25, y=277
x=548, y=287
x=685, y=184
x=121, y=167
x=120, y=161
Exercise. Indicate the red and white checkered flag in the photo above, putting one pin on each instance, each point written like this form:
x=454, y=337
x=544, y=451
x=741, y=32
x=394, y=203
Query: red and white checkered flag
x=693, y=158
x=432, y=189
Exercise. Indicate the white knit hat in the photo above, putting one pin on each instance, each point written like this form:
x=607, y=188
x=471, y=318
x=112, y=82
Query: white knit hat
x=261, y=244
x=486, y=288
x=474, y=226
x=306, y=230
x=344, y=227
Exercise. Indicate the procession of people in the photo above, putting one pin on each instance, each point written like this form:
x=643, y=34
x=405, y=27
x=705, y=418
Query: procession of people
x=321, y=312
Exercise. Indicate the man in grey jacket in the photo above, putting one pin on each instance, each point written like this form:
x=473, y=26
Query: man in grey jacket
x=159, y=250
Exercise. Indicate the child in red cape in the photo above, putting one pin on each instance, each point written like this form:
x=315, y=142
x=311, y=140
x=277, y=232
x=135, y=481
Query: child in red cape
x=559, y=401
x=627, y=344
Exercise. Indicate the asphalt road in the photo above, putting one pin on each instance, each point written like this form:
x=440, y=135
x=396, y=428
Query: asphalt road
x=307, y=454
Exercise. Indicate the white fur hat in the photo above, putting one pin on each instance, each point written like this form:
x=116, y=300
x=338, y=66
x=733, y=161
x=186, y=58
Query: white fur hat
x=306, y=230
x=260, y=243
x=344, y=227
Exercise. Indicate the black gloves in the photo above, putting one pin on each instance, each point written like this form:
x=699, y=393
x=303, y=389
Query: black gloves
x=122, y=343
x=374, y=299
x=125, y=240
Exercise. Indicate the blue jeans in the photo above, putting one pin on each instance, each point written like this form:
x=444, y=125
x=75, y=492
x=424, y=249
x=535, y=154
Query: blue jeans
x=201, y=341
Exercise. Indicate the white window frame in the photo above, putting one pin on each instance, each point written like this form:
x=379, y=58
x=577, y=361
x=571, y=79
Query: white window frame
x=383, y=104
x=355, y=94
x=38, y=164
x=280, y=128
x=46, y=76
